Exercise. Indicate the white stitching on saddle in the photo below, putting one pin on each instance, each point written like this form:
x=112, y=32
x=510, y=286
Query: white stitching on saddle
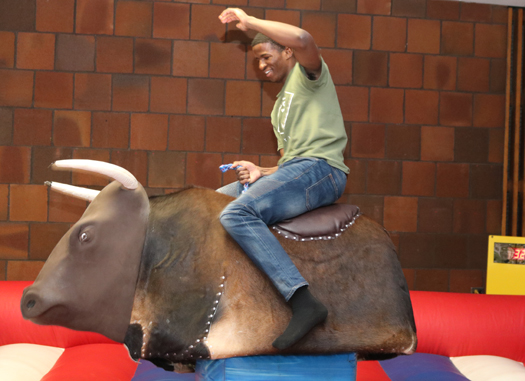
x=324, y=237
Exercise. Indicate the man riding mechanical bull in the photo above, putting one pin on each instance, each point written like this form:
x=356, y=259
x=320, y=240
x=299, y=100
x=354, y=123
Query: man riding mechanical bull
x=311, y=136
x=164, y=276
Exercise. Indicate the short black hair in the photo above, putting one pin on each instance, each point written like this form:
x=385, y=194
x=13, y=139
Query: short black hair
x=261, y=39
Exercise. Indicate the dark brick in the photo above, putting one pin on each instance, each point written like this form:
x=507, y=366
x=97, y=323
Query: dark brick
x=186, y=133
x=469, y=216
x=370, y=68
x=387, y=105
x=130, y=93
x=75, y=53
x=44, y=238
x=476, y=12
x=356, y=182
x=6, y=126
x=445, y=10
x=485, y=181
x=152, y=56
x=455, y=109
x=258, y=137
x=498, y=77
x=403, y=142
x=419, y=178
x=223, y=134
x=384, y=177
x=202, y=169
x=368, y=140
x=471, y=145
x=17, y=15
x=249, y=92
x=15, y=166
x=396, y=221
x=206, y=96
x=339, y=6
x=457, y=38
x=451, y=251
x=464, y=280
x=13, y=241
x=432, y=280
x=32, y=127
x=477, y=250
x=417, y=250
x=409, y=8
x=452, y=180
x=110, y=130
x=435, y=215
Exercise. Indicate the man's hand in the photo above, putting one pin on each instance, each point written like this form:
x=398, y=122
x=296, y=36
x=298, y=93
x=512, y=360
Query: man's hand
x=248, y=172
x=235, y=14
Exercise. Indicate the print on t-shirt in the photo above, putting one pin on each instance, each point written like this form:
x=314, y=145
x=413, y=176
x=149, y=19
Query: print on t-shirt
x=284, y=110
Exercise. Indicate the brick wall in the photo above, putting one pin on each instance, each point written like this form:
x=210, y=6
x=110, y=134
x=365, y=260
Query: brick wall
x=165, y=90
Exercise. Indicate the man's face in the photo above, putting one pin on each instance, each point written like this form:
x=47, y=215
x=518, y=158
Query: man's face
x=272, y=61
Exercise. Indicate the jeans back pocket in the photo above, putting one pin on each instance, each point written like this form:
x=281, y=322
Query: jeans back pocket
x=324, y=192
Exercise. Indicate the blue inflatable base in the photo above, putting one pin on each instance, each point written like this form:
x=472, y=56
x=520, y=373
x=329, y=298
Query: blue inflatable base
x=422, y=367
x=292, y=368
x=337, y=367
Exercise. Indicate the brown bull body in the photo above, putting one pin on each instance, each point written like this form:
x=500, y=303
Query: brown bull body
x=189, y=291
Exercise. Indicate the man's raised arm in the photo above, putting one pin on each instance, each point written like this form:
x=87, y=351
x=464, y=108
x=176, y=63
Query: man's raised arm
x=302, y=42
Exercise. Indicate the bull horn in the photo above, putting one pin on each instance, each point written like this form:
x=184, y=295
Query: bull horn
x=71, y=190
x=113, y=171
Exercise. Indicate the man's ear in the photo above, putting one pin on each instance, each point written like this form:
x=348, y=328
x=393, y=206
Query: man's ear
x=288, y=53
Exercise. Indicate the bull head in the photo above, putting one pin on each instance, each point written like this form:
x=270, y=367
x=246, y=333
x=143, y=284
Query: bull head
x=91, y=274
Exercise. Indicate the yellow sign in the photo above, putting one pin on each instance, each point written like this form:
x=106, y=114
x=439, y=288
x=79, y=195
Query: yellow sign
x=506, y=265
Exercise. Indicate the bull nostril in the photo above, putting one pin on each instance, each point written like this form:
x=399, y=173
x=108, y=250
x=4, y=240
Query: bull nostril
x=30, y=304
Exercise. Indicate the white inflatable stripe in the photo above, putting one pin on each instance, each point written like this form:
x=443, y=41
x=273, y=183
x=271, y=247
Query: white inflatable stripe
x=27, y=362
x=71, y=190
x=489, y=368
x=113, y=171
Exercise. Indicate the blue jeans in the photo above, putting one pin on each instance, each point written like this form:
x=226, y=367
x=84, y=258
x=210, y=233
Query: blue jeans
x=299, y=185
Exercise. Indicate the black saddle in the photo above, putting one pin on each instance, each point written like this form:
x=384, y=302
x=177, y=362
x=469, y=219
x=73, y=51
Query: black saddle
x=327, y=222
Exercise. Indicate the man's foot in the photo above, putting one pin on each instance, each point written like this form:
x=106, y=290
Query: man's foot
x=307, y=313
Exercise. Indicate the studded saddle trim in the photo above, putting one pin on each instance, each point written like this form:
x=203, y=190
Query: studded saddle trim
x=325, y=223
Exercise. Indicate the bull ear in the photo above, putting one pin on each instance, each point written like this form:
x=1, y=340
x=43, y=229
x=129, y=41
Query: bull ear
x=71, y=190
x=113, y=171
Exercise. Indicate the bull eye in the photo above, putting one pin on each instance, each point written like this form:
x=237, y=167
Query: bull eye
x=84, y=237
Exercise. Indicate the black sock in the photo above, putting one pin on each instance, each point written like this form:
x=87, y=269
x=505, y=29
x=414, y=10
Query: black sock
x=307, y=312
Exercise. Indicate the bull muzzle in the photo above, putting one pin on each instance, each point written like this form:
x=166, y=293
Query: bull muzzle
x=34, y=307
x=31, y=305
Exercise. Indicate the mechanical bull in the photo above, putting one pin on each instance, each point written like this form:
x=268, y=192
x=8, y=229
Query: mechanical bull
x=162, y=276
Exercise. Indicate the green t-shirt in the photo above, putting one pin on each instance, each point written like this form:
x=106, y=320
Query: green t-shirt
x=307, y=118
